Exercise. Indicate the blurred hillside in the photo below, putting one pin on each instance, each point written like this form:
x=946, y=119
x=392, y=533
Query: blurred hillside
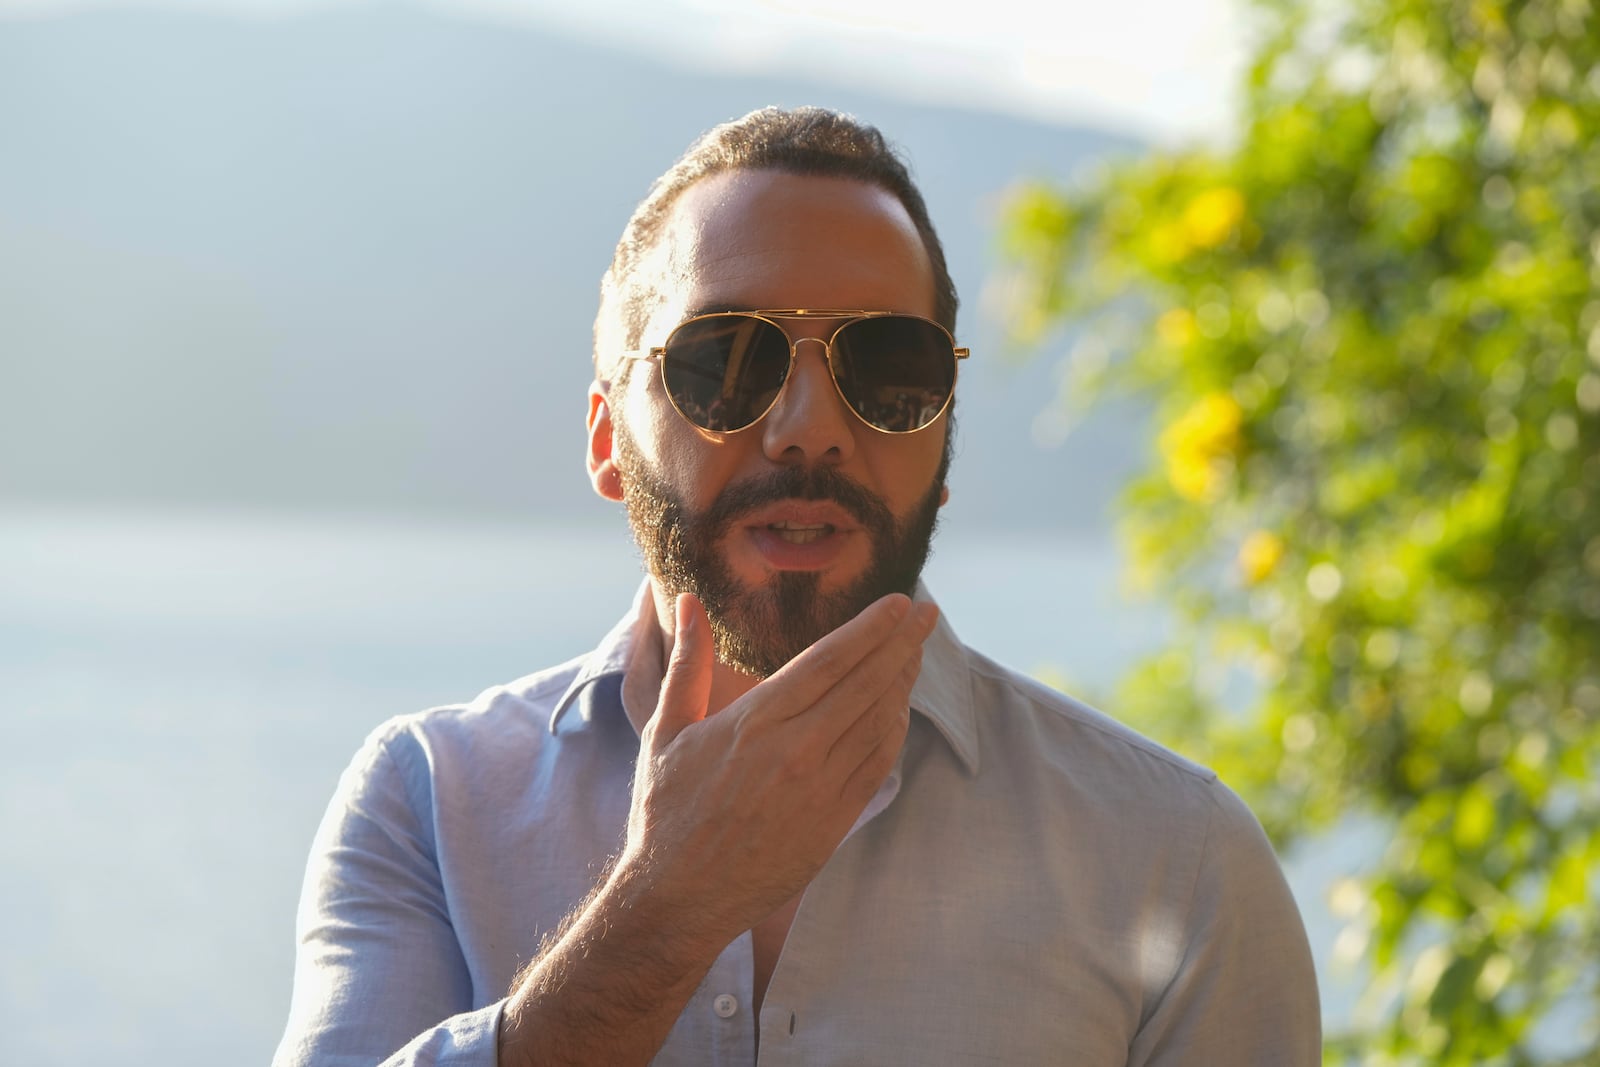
x=349, y=262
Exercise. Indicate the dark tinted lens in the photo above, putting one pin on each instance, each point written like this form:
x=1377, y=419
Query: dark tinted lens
x=897, y=372
x=723, y=372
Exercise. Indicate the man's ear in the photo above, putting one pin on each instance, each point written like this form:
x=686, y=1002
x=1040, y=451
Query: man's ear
x=603, y=473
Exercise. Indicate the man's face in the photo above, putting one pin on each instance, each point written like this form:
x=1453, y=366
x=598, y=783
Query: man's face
x=789, y=528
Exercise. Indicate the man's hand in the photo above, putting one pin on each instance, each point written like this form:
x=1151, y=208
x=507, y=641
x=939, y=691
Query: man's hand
x=734, y=814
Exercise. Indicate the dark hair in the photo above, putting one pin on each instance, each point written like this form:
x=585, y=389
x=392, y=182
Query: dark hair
x=809, y=141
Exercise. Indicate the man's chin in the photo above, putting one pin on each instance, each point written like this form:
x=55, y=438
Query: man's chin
x=760, y=628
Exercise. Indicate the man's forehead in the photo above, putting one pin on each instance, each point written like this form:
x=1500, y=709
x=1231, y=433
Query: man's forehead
x=743, y=240
x=777, y=201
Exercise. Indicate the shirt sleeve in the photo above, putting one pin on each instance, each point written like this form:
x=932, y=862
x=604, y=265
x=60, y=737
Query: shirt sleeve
x=379, y=974
x=1244, y=993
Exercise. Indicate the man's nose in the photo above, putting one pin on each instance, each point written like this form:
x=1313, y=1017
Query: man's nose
x=808, y=423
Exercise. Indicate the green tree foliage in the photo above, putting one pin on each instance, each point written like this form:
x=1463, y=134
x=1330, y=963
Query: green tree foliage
x=1370, y=331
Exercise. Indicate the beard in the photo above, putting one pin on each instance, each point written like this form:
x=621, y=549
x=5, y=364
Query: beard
x=757, y=629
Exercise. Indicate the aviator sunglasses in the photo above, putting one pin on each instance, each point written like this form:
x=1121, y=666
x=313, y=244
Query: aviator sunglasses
x=724, y=371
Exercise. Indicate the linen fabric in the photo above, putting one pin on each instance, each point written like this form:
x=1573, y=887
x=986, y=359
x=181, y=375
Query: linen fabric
x=1033, y=884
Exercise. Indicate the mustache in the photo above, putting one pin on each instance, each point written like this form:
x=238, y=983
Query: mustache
x=798, y=483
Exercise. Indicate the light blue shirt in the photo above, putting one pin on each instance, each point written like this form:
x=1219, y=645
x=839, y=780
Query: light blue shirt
x=1033, y=884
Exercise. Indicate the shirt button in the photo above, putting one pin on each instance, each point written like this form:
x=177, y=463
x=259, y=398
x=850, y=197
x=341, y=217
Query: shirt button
x=725, y=1006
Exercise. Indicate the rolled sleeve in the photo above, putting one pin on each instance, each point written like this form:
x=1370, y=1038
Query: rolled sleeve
x=465, y=1040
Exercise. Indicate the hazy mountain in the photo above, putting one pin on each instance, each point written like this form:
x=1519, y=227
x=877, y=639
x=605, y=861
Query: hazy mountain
x=350, y=260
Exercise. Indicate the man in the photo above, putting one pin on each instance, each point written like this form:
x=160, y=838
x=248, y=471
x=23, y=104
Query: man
x=780, y=811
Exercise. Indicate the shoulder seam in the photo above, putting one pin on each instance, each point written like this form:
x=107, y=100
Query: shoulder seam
x=1068, y=707
x=528, y=687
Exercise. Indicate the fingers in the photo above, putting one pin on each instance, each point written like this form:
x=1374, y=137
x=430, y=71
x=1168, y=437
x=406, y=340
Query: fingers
x=883, y=723
x=878, y=672
x=856, y=729
x=869, y=774
x=686, y=689
x=891, y=621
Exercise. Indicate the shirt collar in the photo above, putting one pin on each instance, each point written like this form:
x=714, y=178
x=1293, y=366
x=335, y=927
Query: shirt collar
x=943, y=693
x=612, y=655
x=632, y=654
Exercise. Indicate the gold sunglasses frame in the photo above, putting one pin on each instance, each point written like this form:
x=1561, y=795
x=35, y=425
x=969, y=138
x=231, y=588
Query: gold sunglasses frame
x=770, y=316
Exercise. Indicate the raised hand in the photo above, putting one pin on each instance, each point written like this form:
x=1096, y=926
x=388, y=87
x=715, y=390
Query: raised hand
x=734, y=814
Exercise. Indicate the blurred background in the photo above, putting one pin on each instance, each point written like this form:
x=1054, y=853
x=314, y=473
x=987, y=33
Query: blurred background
x=295, y=305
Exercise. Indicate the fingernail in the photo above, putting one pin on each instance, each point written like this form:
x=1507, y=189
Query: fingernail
x=685, y=617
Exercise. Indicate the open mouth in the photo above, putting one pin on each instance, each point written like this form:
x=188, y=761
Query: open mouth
x=800, y=533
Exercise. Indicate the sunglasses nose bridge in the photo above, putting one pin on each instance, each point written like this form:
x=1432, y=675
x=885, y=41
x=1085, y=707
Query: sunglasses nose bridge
x=825, y=353
x=794, y=346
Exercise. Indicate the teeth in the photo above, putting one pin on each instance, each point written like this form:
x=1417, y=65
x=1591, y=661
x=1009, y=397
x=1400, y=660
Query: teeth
x=798, y=533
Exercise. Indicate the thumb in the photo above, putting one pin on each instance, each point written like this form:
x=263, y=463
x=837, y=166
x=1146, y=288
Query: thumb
x=686, y=690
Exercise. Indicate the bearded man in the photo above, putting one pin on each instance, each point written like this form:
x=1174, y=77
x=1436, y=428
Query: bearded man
x=781, y=814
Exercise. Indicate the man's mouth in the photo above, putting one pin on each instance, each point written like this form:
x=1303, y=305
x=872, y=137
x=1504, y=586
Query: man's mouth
x=800, y=533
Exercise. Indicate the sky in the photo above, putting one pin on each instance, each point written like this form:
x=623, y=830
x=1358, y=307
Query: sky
x=1162, y=69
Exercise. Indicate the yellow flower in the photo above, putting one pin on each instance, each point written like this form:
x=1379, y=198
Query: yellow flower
x=1212, y=216
x=1176, y=328
x=1169, y=242
x=1259, y=555
x=1200, y=444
